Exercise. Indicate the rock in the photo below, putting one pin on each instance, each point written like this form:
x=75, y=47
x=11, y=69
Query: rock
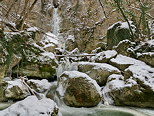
x=104, y=57
x=15, y=90
x=147, y=57
x=49, y=42
x=145, y=47
x=97, y=71
x=51, y=91
x=40, y=86
x=123, y=62
x=42, y=66
x=126, y=48
x=144, y=75
x=78, y=89
x=31, y=106
x=134, y=89
x=118, y=32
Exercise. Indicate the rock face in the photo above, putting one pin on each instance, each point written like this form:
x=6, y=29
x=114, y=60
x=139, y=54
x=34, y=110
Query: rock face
x=31, y=106
x=78, y=89
x=97, y=71
x=118, y=32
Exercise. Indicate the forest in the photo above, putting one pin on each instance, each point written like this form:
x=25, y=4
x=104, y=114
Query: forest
x=76, y=57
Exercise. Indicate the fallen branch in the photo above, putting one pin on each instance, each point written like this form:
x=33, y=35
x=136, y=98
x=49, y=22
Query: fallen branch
x=80, y=55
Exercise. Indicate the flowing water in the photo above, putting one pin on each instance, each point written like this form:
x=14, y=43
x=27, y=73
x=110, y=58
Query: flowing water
x=55, y=22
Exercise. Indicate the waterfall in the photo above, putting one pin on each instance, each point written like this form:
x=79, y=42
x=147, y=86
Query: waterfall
x=55, y=22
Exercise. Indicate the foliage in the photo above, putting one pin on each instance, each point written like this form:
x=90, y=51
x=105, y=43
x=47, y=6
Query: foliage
x=16, y=43
x=138, y=12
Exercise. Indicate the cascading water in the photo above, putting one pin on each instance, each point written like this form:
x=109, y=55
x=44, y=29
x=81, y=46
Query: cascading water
x=55, y=22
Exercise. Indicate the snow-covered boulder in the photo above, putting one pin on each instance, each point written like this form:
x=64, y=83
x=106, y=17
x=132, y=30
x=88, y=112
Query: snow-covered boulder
x=144, y=75
x=97, y=71
x=135, y=88
x=42, y=66
x=40, y=86
x=15, y=90
x=123, y=62
x=118, y=32
x=31, y=106
x=104, y=57
x=77, y=89
x=147, y=57
x=126, y=47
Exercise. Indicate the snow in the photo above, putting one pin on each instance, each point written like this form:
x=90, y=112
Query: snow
x=124, y=25
x=42, y=85
x=144, y=73
x=151, y=42
x=46, y=57
x=32, y=29
x=31, y=106
x=120, y=59
x=77, y=74
x=71, y=37
x=102, y=66
x=104, y=55
x=116, y=82
x=10, y=90
x=49, y=39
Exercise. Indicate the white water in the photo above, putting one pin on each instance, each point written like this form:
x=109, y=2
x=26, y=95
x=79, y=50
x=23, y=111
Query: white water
x=55, y=22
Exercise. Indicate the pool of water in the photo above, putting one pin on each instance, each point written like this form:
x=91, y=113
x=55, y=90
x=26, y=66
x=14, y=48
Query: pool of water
x=100, y=111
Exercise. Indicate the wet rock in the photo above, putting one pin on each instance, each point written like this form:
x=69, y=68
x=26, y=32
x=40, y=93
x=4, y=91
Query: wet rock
x=31, y=106
x=78, y=89
x=97, y=71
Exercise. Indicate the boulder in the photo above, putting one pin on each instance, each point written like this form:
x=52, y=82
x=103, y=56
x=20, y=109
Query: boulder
x=97, y=71
x=41, y=67
x=40, y=86
x=123, y=62
x=126, y=48
x=104, y=57
x=15, y=90
x=77, y=89
x=118, y=32
x=147, y=57
x=135, y=88
x=31, y=106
